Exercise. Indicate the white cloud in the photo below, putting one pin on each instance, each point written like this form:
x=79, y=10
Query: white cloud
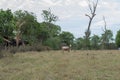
x=69, y=9
x=68, y=2
x=65, y=17
x=99, y=23
x=49, y=3
x=83, y=3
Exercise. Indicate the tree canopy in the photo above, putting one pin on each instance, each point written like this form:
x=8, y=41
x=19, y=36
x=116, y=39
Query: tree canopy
x=6, y=23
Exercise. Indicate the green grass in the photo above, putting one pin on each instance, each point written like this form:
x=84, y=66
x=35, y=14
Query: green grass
x=56, y=65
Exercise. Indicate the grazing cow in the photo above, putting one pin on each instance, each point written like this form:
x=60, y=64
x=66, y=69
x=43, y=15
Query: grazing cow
x=65, y=48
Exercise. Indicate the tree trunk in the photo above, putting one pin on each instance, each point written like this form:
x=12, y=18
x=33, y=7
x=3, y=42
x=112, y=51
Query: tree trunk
x=92, y=8
x=17, y=39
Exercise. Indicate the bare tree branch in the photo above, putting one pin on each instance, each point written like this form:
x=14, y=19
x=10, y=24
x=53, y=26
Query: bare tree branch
x=90, y=6
x=88, y=16
x=104, y=23
x=6, y=40
x=95, y=6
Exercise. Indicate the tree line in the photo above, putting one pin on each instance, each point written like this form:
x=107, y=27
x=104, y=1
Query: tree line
x=22, y=27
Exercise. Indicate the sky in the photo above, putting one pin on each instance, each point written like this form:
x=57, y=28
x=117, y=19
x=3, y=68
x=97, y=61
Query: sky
x=71, y=13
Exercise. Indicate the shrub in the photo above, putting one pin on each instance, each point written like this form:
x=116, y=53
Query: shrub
x=12, y=50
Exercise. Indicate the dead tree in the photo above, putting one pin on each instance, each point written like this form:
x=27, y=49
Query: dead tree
x=92, y=7
x=105, y=24
x=104, y=35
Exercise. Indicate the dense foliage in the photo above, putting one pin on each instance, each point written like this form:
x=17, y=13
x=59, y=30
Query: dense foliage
x=6, y=23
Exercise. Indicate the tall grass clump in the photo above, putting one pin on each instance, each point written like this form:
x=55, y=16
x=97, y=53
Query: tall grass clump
x=9, y=51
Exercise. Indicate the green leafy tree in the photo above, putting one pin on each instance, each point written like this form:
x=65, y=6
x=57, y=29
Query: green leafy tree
x=26, y=24
x=117, y=40
x=95, y=42
x=80, y=43
x=67, y=38
x=53, y=42
x=53, y=31
x=6, y=23
x=49, y=31
x=106, y=38
x=48, y=16
x=44, y=33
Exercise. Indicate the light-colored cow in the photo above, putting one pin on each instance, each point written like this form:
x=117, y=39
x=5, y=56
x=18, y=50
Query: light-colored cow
x=66, y=48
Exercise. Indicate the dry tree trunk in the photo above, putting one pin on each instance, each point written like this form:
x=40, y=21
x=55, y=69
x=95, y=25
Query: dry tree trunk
x=104, y=30
x=92, y=8
x=18, y=33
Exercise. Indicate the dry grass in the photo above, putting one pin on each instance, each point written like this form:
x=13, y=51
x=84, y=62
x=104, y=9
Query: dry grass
x=55, y=65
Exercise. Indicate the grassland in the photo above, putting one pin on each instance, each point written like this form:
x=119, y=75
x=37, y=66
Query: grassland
x=56, y=65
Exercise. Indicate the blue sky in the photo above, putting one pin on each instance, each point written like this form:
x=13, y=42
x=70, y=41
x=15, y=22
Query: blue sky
x=71, y=13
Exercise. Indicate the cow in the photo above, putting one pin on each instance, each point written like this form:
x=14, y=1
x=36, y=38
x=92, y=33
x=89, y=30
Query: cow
x=66, y=48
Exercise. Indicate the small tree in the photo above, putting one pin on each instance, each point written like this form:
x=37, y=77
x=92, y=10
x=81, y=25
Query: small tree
x=80, y=43
x=117, y=40
x=6, y=27
x=106, y=36
x=67, y=38
x=53, y=43
x=6, y=23
x=95, y=40
x=25, y=26
x=49, y=18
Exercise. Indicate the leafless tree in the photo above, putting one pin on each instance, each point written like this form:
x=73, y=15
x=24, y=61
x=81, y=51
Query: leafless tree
x=103, y=38
x=106, y=36
x=92, y=7
x=104, y=24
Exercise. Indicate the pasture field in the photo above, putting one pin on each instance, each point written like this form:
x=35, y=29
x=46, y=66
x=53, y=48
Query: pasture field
x=56, y=65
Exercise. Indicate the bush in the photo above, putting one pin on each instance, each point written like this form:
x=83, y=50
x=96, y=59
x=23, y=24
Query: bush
x=29, y=48
x=12, y=50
